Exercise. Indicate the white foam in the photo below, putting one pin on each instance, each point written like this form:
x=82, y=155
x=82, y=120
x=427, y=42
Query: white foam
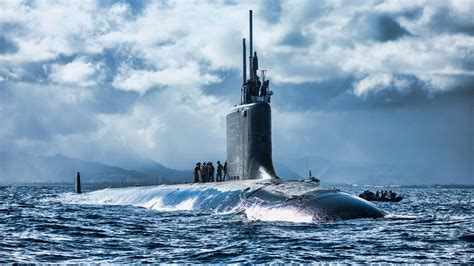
x=142, y=196
x=295, y=188
x=150, y=197
x=264, y=174
x=158, y=205
x=391, y=216
x=286, y=214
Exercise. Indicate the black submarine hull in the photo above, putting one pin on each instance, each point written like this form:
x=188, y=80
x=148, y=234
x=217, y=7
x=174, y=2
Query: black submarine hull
x=271, y=200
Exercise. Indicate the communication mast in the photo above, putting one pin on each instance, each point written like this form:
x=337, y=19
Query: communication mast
x=253, y=90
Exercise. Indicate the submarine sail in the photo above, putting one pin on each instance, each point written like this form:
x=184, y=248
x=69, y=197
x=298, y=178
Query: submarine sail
x=249, y=125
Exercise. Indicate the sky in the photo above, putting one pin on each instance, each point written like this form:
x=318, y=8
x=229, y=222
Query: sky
x=386, y=82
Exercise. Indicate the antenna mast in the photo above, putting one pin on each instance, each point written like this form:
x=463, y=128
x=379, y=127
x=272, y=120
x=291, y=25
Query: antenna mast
x=244, y=69
x=251, y=46
x=253, y=89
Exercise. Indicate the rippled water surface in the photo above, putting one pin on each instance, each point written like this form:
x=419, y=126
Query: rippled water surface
x=37, y=225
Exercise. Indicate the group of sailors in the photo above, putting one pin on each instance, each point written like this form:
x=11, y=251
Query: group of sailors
x=382, y=195
x=204, y=172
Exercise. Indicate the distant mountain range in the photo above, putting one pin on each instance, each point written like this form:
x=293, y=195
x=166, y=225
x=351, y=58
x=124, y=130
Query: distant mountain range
x=26, y=168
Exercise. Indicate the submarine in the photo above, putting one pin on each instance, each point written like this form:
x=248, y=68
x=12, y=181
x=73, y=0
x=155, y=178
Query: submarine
x=252, y=187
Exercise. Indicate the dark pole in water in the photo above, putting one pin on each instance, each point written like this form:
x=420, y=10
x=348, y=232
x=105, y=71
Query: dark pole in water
x=78, y=183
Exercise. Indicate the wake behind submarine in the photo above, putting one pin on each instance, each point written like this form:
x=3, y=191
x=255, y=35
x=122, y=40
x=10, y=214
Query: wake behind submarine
x=255, y=188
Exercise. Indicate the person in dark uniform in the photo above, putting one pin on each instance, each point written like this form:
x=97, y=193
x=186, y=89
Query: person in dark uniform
x=204, y=172
x=197, y=169
x=225, y=171
x=211, y=172
x=219, y=171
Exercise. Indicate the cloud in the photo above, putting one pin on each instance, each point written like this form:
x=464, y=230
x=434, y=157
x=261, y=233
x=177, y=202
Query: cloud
x=379, y=27
x=39, y=113
x=456, y=17
x=79, y=72
x=140, y=81
x=296, y=39
x=316, y=42
x=372, y=82
x=7, y=46
x=273, y=10
x=172, y=126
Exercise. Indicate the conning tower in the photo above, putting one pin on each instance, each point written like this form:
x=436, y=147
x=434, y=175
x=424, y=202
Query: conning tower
x=249, y=126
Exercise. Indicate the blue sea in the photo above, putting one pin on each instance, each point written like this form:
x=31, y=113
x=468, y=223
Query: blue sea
x=42, y=224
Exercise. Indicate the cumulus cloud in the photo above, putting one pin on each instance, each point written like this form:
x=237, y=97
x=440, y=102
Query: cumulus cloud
x=77, y=72
x=379, y=27
x=174, y=125
x=371, y=83
x=140, y=81
x=34, y=112
x=315, y=42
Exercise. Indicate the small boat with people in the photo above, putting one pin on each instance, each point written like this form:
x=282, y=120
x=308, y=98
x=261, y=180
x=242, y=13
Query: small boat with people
x=383, y=195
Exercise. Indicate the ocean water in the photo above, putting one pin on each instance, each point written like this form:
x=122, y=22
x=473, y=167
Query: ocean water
x=49, y=225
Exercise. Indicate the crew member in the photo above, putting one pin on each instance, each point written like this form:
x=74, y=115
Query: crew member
x=211, y=172
x=197, y=169
x=219, y=171
x=225, y=170
x=393, y=195
x=204, y=172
